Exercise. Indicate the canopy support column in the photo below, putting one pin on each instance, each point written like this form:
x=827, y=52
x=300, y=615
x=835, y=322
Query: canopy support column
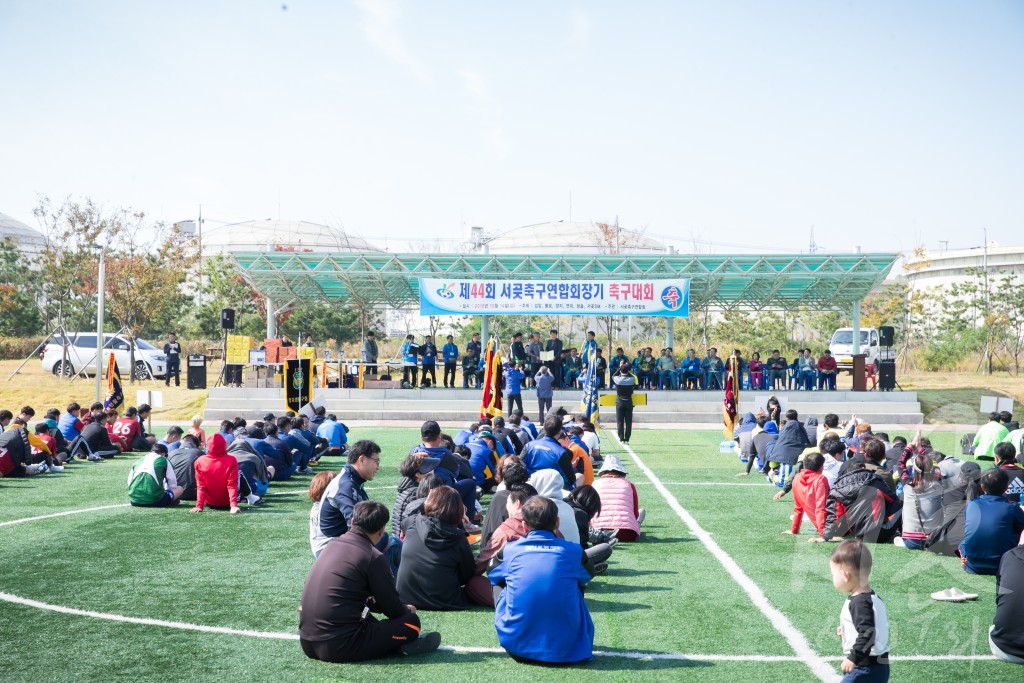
x=484, y=333
x=856, y=327
x=670, y=331
x=271, y=321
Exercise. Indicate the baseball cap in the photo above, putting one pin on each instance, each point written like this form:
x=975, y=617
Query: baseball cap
x=428, y=465
x=430, y=429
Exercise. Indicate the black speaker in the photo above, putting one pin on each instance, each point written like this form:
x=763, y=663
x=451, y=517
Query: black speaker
x=227, y=318
x=233, y=374
x=886, y=335
x=887, y=375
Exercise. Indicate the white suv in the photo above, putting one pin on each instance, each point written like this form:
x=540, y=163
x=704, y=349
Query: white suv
x=149, y=360
x=841, y=347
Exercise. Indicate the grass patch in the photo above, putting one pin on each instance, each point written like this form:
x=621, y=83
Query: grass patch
x=665, y=594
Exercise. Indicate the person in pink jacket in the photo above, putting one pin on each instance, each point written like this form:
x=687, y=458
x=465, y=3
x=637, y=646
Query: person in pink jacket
x=620, y=513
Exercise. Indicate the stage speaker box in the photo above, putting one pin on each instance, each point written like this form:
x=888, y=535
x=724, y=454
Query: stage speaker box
x=233, y=374
x=196, y=377
x=887, y=375
x=886, y=335
x=227, y=318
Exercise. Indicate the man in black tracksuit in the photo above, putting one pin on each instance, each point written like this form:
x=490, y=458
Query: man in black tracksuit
x=625, y=384
x=862, y=504
x=350, y=579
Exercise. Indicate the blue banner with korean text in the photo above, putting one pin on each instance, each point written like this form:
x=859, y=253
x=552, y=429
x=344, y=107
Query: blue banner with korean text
x=663, y=297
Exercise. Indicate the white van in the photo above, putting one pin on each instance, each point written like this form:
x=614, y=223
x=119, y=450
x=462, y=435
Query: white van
x=149, y=360
x=841, y=347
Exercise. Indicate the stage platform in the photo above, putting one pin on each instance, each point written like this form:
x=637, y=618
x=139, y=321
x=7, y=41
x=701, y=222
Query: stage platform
x=664, y=409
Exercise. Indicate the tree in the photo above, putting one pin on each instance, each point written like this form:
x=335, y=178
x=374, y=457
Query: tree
x=19, y=310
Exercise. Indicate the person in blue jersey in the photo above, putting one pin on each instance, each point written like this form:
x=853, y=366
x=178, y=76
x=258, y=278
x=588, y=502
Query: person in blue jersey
x=540, y=615
x=547, y=453
x=429, y=353
x=484, y=460
x=514, y=384
x=335, y=433
x=410, y=354
x=449, y=469
x=450, y=354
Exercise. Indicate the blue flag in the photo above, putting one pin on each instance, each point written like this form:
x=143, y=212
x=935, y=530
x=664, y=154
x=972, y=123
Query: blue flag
x=589, y=400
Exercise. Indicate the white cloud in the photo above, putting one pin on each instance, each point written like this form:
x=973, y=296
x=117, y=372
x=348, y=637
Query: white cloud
x=495, y=134
x=380, y=25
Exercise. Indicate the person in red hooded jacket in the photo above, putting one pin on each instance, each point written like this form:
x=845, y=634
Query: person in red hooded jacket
x=810, y=491
x=217, y=477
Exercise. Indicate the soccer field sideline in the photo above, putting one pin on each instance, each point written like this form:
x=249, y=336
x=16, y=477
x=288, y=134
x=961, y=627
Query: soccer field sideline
x=818, y=664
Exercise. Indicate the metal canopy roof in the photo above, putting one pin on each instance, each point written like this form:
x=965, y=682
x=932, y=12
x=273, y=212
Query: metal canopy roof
x=824, y=281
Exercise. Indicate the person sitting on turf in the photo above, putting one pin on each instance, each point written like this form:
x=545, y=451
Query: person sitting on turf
x=317, y=446
x=540, y=615
x=548, y=453
x=97, y=439
x=151, y=481
x=863, y=503
x=831, y=450
x=281, y=460
x=94, y=414
x=511, y=471
x=217, y=478
x=349, y=579
x=744, y=437
x=1006, y=635
x=788, y=448
x=581, y=463
x=110, y=424
x=855, y=431
x=299, y=449
x=763, y=442
x=317, y=486
x=252, y=453
x=516, y=426
x=53, y=458
x=992, y=525
x=413, y=469
x=437, y=561
x=336, y=435
x=947, y=540
x=173, y=439
x=988, y=435
x=16, y=452
x=810, y=491
x=1006, y=460
x=483, y=459
x=506, y=437
x=455, y=471
x=183, y=462
x=548, y=483
x=620, y=505
x=586, y=504
x=129, y=427
x=922, y=505
x=69, y=424
x=347, y=489
x=511, y=528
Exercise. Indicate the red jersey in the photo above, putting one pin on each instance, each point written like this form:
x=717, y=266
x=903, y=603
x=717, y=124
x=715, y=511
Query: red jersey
x=116, y=438
x=50, y=442
x=125, y=429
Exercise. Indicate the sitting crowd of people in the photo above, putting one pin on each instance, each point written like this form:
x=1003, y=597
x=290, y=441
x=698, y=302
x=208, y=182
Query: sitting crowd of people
x=536, y=501
x=849, y=481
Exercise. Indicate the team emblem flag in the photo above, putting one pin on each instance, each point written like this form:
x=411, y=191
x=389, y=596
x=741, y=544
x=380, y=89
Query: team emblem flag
x=115, y=397
x=732, y=396
x=490, y=402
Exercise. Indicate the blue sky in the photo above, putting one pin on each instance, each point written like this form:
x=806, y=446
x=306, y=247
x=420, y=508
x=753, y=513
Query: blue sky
x=881, y=124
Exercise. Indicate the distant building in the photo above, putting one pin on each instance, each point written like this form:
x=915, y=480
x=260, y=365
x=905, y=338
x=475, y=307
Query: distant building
x=576, y=237
x=26, y=239
x=940, y=269
x=278, y=235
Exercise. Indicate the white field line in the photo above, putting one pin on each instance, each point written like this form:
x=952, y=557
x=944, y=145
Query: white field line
x=275, y=635
x=762, y=484
x=62, y=514
x=18, y=600
x=818, y=665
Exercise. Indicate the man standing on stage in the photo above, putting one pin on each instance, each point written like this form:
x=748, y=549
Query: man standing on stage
x=172, y=349
x=450, y=352
x=555, y=345
x=370, y=354
x=533, y=350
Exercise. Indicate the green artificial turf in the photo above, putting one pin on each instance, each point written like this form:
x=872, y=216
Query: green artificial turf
x=665, y=594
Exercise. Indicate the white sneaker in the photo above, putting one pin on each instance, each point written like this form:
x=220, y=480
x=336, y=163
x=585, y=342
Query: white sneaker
x=641, y=516
x=57, y=468
x=253, y=499
x=898, y=541
x=94, y=458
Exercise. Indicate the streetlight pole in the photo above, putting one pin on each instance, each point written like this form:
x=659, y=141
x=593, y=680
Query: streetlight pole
x=99, y=325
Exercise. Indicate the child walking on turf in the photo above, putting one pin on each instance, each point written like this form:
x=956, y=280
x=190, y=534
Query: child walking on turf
x=863, y=625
